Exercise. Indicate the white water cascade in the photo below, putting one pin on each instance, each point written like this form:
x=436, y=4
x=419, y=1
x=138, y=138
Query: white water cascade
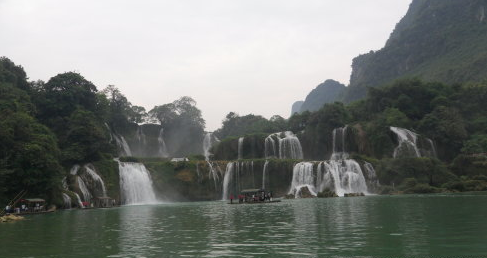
x=240, y=147
x=135, y=184
x=264, y=173
x=238, y=175
x=97, y=184
x=303, y=176
x=208, y=142
x=162, y=144
x=340, y=174
x=80, y=204
x=122, y=145
x=84, y=190
x=406, y=143
x=287, y=147
x=227, y=179
x=67, y=201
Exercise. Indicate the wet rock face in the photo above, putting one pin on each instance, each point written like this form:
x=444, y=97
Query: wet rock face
x=327, y=193
x=305, y=193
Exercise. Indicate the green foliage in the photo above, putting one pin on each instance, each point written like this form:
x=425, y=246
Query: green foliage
x=476, y=144
x=235, y=125
x=436, y=41
x=423, y=170
x=327, y=92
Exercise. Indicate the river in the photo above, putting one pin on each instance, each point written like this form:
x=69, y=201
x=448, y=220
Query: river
x=441, y=225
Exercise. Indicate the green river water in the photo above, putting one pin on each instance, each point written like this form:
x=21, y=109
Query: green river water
x=448, y=225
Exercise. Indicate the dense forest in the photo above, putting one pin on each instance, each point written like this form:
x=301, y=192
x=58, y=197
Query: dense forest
x=47, y=127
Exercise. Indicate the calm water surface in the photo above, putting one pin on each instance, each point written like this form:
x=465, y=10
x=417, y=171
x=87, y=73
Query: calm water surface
x=372, y=226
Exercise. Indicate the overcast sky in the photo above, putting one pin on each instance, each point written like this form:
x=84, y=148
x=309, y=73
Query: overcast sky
x=246, y=56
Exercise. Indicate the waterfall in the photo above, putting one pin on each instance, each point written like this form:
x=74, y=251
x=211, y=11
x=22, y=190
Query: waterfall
x=340, y=174
x=289, y=146
x=270, y=147
x=433, y=148
x=135, y=184
x=339, y=150
x=371, y=175
x=74, y=170
x=80, y=203
x=67, y=201
x=122, y=145
x=227, y=179
x=303, y=176
x=240, y=147
x=406, y=143
x=162, y=144
x=264, y=172
x=213, y=174
x=97, y=185
x=207, y=143
x=141, y=142
x=84, y=190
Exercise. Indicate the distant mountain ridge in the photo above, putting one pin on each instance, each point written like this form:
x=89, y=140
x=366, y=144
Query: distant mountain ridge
x=326, y=92
x=437, y=40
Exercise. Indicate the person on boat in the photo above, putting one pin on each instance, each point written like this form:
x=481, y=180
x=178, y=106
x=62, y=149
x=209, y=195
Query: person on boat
x=7, y=209
x=231, y=198
x=270, y=196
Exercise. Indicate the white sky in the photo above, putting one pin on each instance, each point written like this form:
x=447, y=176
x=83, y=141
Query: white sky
x=246, y=56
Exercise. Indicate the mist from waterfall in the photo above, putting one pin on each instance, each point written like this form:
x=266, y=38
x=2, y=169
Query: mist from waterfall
x=135, y=184
x=283, y=145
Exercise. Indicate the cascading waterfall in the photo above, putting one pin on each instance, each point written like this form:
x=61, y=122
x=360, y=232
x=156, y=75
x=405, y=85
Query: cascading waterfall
x=162, y=144
x=213, y=174
x=238, y=175
x=433, y=148
x=80, y=203
x=98, y=186
x=339, y=150
x=303, y=176
x=371, y=175
x=122, y=145
x=240, y=147
x=135, y=184
x=227, y=179
x=340, y=174
x=264, y=173
x=67, y=201
x=141, y=142
x=289, y=146
x=406, y=143
x=84, y=190
x=207, y=144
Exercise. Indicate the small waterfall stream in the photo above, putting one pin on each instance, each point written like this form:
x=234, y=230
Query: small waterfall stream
x=162, y=144
x=240, y=147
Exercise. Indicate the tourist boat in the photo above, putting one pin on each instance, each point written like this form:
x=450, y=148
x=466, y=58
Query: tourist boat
x=254, y=196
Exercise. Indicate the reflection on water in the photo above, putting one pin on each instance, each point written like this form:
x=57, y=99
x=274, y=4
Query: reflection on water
x=372, y=226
